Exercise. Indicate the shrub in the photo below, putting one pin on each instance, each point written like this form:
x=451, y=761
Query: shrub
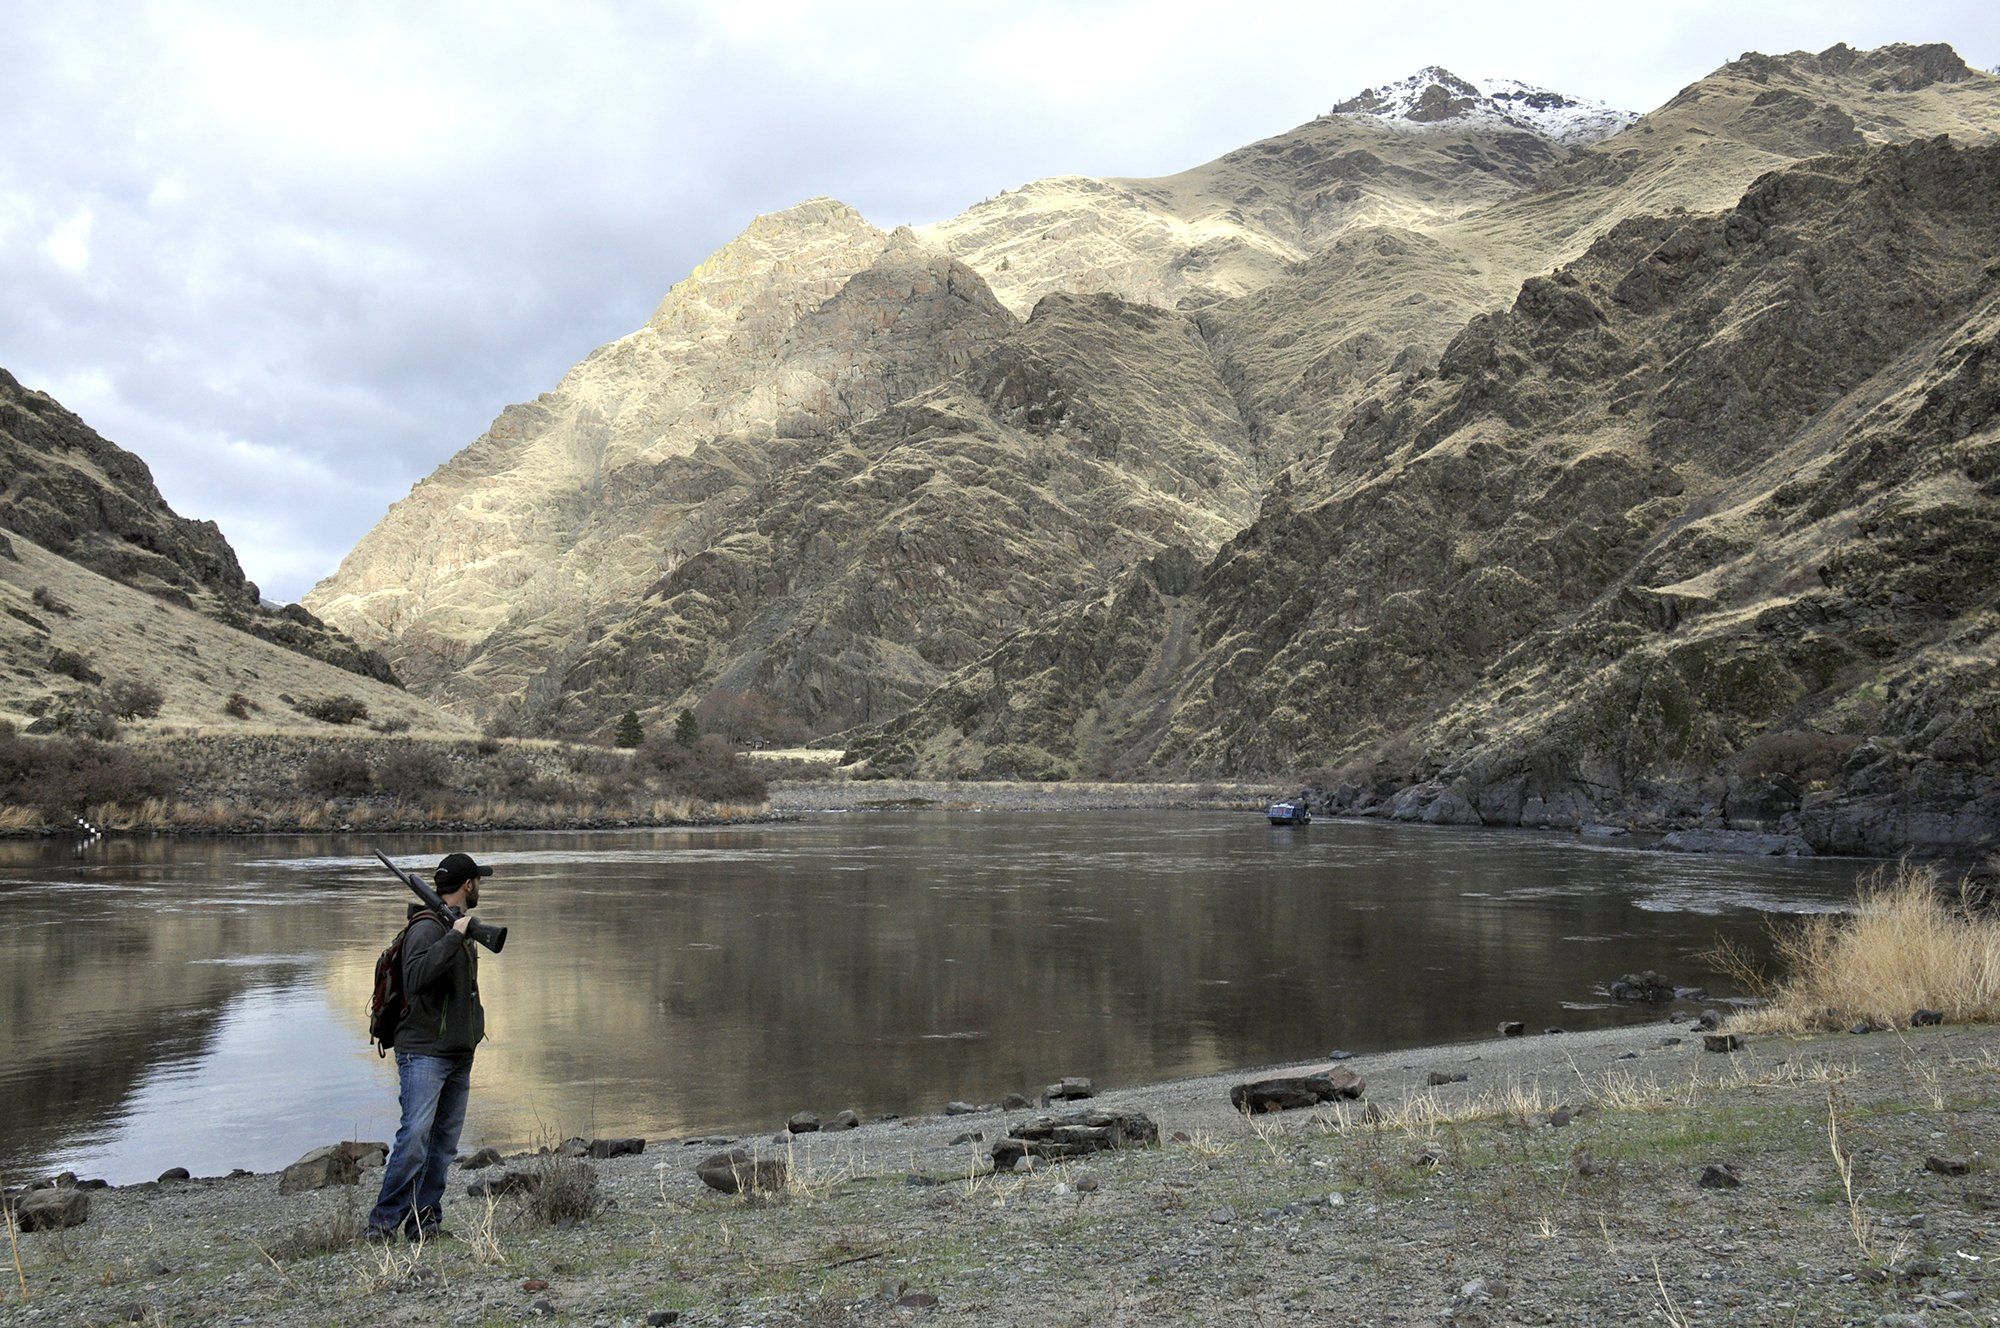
x=487, y=746
x=394, y=724
x=64, y=776
x=131, y=698
x=706, y=769
x=1810, y=758
x=749, y=717
x=238, y=706
x=337, y=775
x=409, y=773
x=72, y=664
x=1907, y=946
x=565, y=1193
x=44, y=598
x=687, y=729
x=333, y=709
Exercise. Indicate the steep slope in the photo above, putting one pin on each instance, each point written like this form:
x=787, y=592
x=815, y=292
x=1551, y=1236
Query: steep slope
x=550, y=526
x=91, y=501
x=63, y=625
x=1240, y=222
x=1703, y=527
x=871, y=566
x=1380, y=300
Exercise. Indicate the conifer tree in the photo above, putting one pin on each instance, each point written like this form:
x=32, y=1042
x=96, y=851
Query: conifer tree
x=630, y=731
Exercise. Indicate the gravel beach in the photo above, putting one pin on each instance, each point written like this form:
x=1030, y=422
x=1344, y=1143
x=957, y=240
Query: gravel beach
x=1611, y=1177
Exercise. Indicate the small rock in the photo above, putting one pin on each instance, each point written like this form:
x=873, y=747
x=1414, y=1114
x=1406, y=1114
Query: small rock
x=485, y=1157
x=916, y=1300
x=1513, y=1028
x=506, y=1182
x=1022, y=1165
x=1560, y=1117
x=1647, y=986
x=737, y=1172
x=1710, y=1021
x=1428, y=1158
x=318, y=1169
x=1670, y=1042
x=969, y=1137
x=846, y=1120
x=1439, y=1078
x=805, y=1122
x=1086, y=1184
x=1474, y=1292
x=661, y=1318
x=1947, y=1166
x=1222, y=1217
x=541, y=1309
x=1863, y=1027
x=534, y=1284
x=174, y=1173
x=52, y=1209
x=1055, y=1138
x=1926, y=1018
x=1583, y=1164
x=959, y=1109
x=1719, y=1176
x=1072, y=1088
x=1551, y=1032
x=1016, y=1102
x=1722, y=1042
x=1628, y=1055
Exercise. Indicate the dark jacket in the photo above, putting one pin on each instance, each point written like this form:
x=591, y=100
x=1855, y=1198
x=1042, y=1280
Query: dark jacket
x=441, y=979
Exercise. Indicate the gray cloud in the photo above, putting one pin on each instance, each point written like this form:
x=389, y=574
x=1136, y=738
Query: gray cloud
x=297, y=256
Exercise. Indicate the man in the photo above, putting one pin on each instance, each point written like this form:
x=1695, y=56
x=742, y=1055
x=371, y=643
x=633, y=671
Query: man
x=434, y=1049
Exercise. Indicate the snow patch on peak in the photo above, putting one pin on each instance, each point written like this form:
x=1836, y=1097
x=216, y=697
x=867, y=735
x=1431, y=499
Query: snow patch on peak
x=1434, y=96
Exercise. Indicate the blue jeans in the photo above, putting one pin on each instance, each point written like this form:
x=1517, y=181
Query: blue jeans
x=433, y=1096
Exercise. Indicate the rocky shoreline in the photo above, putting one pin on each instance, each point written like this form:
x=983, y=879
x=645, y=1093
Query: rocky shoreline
x=1601, y=1177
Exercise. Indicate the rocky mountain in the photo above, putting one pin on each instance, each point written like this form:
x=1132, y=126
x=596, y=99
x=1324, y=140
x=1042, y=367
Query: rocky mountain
x=838, y=464
x=88, y=500
x=1702, y=528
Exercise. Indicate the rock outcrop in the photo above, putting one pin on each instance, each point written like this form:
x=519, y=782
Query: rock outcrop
x=89, y=500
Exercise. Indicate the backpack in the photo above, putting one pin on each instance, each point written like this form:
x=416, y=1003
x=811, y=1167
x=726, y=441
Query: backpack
x=390, y=1004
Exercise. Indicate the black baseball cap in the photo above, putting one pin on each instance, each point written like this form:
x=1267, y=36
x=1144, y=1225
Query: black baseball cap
x=456, y=870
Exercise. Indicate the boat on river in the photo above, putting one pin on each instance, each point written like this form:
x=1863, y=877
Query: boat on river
x=1291, y=812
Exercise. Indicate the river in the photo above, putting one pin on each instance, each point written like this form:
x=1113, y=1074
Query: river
x=201, y=1003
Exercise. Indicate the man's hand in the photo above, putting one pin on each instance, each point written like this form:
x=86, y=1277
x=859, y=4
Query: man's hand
x=464, y=921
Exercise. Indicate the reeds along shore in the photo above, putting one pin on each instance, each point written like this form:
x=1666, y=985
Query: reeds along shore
x=1911, y=943
x=288, y=782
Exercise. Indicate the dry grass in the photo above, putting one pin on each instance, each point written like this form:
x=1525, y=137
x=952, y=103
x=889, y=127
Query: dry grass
x=1906, y=947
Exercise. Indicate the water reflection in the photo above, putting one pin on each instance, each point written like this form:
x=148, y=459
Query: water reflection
x=201, y=1003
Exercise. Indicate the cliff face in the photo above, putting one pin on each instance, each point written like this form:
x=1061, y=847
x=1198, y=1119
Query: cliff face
x=90, y=501
x=1703, y=526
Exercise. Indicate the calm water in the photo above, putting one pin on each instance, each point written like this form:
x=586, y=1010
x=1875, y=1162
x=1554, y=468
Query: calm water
x=201, y=1004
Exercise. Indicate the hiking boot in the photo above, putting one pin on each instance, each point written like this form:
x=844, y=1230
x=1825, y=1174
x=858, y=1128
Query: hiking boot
x=381, y=1235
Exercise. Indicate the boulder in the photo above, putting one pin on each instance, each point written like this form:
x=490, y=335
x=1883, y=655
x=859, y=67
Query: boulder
x=1646, y=986
x=1947, y=1166
x=739, y=1172
x=604, y=1148
x=1513, y=1028
x=1926, y=1018
x=959, y=1109
x=1077, y=1134
x=1722, y=1041
x=1016, y=1102
x=1438, y=1078
x=1752, y=843
x=318, y=1169
x=1071, y=1088
x=174, y=1173
x=846, y=1120
x=48, y=1210
x=1292, y=1091
x=804, y=1122
x=485, y=1157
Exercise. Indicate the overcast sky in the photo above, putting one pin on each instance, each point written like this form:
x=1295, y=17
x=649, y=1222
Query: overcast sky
x=297, y=255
